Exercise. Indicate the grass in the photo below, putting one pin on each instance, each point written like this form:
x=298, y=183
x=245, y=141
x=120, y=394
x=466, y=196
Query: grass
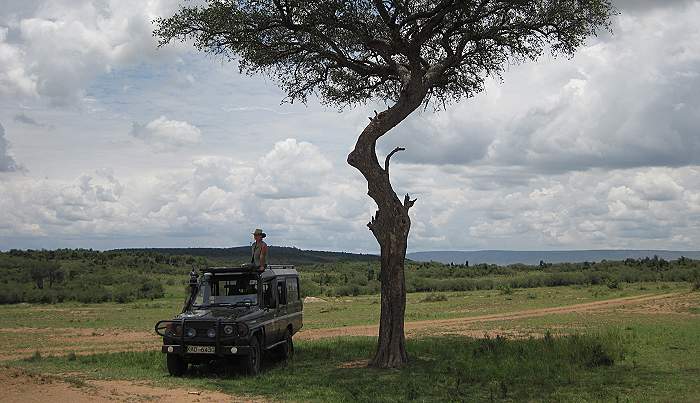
x=630, y=358
x=441, y=369
x=335, y=312
x=434, y=297
x=609, y=355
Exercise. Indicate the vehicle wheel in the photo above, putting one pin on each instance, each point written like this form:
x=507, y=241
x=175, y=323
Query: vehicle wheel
x=176, y=365
x=252, y=360
x=287, y=349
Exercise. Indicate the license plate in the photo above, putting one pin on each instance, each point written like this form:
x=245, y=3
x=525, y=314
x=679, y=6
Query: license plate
x=201, y=349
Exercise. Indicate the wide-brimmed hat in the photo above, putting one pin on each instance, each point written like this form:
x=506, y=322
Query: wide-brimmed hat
x=260, y=232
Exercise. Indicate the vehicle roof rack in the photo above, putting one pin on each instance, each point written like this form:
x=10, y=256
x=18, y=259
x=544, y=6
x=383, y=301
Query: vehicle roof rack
x=247, y=268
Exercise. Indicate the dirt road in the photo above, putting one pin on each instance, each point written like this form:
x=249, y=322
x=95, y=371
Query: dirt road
x=20, y=386
x=462, y=324
x=92, y=341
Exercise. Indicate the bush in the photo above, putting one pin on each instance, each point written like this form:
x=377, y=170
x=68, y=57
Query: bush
x=309, y=288
x=696, y=285
x=347, y=290
x=613, y=284
x=123, y=294
x=34, y=357
x=505, y=290
x=434, y=297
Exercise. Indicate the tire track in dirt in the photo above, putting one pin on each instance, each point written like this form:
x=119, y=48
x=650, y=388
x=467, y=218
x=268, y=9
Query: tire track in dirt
x=456, y=323
x=20, y=386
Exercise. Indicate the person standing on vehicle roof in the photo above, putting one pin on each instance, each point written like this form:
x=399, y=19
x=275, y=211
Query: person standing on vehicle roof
x=259, y=250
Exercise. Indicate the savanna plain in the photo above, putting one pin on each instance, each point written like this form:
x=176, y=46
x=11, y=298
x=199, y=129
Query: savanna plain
x=617, y=337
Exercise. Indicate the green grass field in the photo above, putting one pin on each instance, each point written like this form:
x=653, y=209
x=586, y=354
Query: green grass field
x=335, y=312
x=639, y=353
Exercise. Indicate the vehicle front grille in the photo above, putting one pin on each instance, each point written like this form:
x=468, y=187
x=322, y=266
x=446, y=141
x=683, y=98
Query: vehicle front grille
x=202, y=327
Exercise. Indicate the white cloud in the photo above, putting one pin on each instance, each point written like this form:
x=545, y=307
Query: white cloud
x=63, y=45
x=7, y=163
x=165, y=134
x=15, y=80
x=630, y=100
x=292, y=169
x=212, y=201
x=624, y=208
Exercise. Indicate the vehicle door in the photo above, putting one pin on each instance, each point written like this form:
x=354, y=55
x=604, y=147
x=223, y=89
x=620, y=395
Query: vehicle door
x=294, y=304
x=281, y=313
x=269, y=302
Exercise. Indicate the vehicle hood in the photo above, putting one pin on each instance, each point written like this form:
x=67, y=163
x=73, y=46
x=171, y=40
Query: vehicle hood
x=236, y=313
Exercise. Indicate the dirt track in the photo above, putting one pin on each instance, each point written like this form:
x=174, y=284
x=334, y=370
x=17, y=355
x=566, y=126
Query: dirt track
x=23, y=387
x=91, y=341
x=460, y=325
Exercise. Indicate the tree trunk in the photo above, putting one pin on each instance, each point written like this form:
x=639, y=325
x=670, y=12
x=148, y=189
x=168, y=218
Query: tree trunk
x=391, y=348
x=390, y=225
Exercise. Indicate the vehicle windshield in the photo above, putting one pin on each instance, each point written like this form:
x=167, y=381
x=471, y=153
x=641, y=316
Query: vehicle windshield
x=236, y=289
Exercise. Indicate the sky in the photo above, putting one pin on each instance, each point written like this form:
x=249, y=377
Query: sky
x=107, y=141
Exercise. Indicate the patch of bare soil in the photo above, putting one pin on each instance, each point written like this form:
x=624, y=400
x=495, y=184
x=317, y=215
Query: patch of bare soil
x=462, y=324
x=314, y=300
x=681, y=305
x=23, y=387
x=354, y=364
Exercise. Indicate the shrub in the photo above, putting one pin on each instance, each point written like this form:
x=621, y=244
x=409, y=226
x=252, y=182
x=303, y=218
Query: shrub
x=434, y=297
x=613, y=284
x=34, y=357
x=150, y=289
x=309, y=288
x=123, y=294
x=505, y=290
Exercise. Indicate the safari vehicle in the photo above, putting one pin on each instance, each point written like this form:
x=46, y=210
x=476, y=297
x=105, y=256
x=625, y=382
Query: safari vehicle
x=234, y=313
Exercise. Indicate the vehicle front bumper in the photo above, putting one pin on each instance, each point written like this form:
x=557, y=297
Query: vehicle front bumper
x=220, y=351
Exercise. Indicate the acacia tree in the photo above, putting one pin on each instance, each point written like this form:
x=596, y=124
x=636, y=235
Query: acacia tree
x=404, y=53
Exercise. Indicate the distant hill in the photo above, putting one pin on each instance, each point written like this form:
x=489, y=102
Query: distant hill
x=277, y=254
x=504, y=257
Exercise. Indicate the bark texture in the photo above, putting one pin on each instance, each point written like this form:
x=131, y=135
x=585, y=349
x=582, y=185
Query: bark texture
x=390, y=225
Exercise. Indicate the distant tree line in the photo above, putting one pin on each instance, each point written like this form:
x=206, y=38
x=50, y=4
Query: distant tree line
x=363, y=278
x=84, y=275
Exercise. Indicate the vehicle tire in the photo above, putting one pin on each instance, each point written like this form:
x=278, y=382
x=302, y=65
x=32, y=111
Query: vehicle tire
x=253, y=360
x=287, y=349
x=176, y=365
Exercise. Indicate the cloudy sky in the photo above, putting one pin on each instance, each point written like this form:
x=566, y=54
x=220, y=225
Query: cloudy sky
x=107, y=141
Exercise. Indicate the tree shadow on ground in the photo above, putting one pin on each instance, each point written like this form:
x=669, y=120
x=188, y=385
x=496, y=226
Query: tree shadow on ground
x=441, y=369
x=448, y=368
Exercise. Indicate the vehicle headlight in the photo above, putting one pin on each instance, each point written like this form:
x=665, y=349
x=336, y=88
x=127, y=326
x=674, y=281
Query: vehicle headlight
x=242, y=329
x=228, y=330
x=189, y=332
x=211, y=333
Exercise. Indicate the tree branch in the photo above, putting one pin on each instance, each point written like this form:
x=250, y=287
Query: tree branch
x=407, y=202
x=388, y=157
x=372, y=223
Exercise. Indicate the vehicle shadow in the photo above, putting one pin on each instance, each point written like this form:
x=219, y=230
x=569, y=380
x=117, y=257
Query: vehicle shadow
x=232, y=367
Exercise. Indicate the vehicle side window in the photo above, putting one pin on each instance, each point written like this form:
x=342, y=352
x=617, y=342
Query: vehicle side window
x=281, y=292
x=292, y=289
x=267, y=295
